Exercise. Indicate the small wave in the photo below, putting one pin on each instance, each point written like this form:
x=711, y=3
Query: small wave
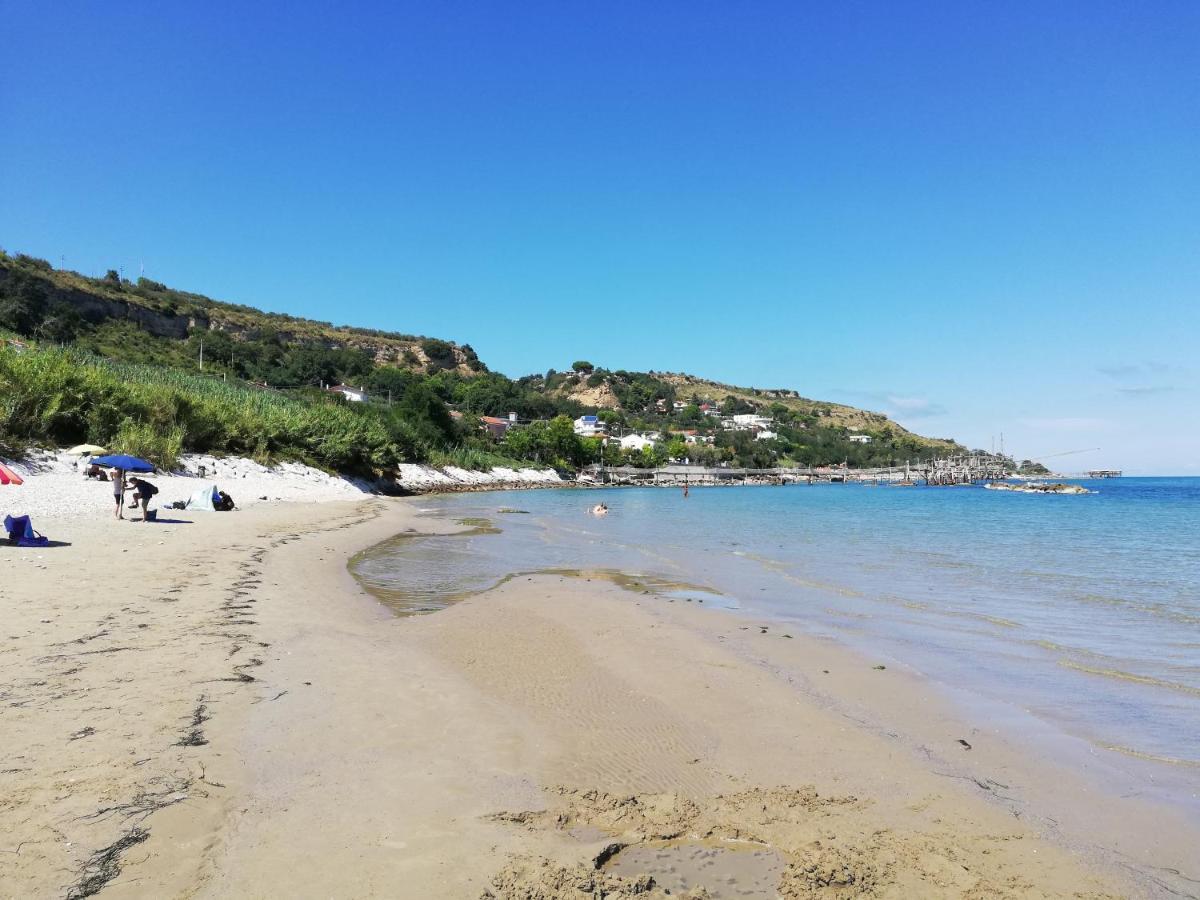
x=1153, y=757
x=1159, y=609
x=847, y=614
x=983, y=617
x=1131, y=676
x=1063, y=648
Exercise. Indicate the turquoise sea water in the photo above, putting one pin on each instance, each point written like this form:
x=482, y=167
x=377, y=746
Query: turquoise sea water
x=1082, y=611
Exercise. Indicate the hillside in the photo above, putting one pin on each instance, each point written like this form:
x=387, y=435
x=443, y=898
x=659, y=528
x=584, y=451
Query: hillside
x=850, y=417
x=634, y=392
x=67, y=306
x=424, y=394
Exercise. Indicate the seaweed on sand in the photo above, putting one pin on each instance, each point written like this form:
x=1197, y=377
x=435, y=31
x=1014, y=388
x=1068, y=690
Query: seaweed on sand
x=105, y=865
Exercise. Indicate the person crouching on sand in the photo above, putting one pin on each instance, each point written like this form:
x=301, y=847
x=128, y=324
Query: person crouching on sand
x=118, y=483
x=143, y=493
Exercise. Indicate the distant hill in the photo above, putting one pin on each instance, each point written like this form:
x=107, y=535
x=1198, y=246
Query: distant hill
x=834, y=413
x=629, y=391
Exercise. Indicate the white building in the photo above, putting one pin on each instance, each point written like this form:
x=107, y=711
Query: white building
x=354, y=395
x=637, y=442
x=589, y=426
x=765, y=435
x=860, y=438
x=749, y=421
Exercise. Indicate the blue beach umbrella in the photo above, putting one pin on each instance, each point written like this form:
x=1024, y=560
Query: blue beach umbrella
x=125, y=463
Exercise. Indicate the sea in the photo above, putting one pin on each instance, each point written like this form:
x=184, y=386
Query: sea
x=1078, y=614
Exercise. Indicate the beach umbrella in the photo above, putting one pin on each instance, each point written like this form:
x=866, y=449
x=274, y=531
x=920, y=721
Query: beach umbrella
x=86, y=450
x=8, y=476
x=123, y=462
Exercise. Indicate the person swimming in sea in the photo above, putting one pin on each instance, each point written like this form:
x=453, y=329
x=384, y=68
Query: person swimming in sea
x=600, y=509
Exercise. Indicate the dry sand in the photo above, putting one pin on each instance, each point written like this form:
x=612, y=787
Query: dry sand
x=215, y=709
x=55, y=487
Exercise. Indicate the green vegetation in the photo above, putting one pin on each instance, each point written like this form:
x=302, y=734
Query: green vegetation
x=553, y=443
x=67, y=397
x=157, y=371
x=1029, y=467
x=58, y=306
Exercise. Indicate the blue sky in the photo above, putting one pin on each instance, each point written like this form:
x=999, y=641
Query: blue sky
x=977, y=217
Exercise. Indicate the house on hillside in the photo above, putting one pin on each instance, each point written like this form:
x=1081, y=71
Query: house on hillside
x=710, y=409
x=765, y=435
x=691, y=436
x=589, y=426
x=354, y=395
x=751, y=421
x=636, y=442
x=496, y=426
x=859, y=438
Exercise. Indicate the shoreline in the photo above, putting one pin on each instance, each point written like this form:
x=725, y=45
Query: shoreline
x=1083, y=799
x=341, y=750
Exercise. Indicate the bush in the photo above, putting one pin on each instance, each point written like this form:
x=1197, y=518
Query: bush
x=440, y=353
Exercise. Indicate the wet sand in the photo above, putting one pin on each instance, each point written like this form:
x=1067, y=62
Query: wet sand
x=217, y=709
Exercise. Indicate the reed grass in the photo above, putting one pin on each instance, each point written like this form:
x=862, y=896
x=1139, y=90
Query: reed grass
x=67, y=396
x=474, y=459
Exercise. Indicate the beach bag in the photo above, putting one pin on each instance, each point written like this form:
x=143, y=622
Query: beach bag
x=20, y=532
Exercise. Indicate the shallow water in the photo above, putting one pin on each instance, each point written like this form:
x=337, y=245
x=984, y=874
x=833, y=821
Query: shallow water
x=1082, y=611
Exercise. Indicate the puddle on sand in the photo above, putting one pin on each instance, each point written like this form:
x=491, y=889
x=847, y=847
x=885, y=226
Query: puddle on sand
x=414, y=573
x=726, y=873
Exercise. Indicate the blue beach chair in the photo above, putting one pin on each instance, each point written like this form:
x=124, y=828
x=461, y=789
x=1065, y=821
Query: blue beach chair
x=20, y=532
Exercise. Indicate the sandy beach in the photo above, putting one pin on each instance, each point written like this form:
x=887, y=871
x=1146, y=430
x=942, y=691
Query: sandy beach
x=212, y=707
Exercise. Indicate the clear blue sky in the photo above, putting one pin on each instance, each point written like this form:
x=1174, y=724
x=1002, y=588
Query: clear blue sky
x=979, y=217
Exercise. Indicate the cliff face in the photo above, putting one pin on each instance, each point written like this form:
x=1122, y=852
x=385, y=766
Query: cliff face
x=165, y=313
x=96, y=308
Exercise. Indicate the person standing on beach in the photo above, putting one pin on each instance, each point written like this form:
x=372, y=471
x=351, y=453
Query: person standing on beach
x=118, y=482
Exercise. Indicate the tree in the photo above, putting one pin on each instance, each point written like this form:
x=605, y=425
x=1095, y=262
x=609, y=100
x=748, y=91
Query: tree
x=427, y=416
x=61, y=325
x=112, y=276
x=22, y=303
x=439, y=353
x=554, y=442
x=583, y=366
